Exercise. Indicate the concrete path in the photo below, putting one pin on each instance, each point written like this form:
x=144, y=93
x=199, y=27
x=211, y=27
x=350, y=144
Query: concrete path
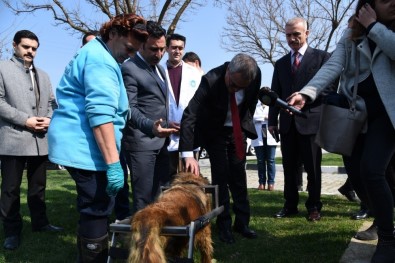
x=332, y=178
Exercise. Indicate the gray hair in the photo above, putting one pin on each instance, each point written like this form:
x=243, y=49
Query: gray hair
x=245, y=65
x=297, y=20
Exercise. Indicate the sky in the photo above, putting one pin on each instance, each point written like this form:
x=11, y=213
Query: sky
x=57, y=46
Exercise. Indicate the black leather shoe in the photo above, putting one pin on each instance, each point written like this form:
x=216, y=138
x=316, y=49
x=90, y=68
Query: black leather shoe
x=361, y=214
x=349, y=194
x=12, y=242
x=285, y=212
x=246, y=232
x=49, y=228
x=314, y=216
x=368, y=234
x=226, y=236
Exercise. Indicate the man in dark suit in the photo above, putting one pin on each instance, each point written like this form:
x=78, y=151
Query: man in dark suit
x=291, y=73
x=219, y=118
x=145, y=138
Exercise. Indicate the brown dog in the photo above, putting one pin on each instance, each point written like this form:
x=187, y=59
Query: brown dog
x=182, y=203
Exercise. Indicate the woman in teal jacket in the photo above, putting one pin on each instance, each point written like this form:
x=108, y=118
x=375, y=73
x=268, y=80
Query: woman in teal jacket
x=85, y=131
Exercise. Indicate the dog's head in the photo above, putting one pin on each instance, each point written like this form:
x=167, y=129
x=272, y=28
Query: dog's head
x=190, y=178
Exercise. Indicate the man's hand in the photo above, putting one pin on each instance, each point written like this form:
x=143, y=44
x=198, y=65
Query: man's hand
x=175, y=125
x=160, y=132
x=192, y=165
x=274, y=132
x=297, y=100
x=115, y=178
x=38, y=124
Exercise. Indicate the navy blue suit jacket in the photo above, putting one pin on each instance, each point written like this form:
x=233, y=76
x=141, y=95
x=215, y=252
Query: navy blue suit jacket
x=148, y=101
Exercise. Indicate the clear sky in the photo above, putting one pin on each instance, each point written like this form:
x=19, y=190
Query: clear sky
x=57, y=46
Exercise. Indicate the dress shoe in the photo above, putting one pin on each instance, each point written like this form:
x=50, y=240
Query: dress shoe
x=314, y=216
x=368, y=234
x=245, y=231
x=226, y=236
x=285, y=212
x=349, y=194
x=261, y=187
x=271, y=187
x=12, y=242
x=49, y=228
x=361, y=214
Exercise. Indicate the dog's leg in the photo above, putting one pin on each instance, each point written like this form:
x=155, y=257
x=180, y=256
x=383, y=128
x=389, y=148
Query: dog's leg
x=204, y=244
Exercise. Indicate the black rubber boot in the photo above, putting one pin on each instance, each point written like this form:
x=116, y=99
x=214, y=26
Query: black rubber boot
x=92, y=250
x=385, y=250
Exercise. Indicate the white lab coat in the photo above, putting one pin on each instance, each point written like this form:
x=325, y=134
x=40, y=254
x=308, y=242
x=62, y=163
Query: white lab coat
x=190, y=81
x=260, y=117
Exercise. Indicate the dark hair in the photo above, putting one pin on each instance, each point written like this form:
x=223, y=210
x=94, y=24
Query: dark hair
x=192, y=57
x=25, y=34
x=87, y=34
x=123, y=25
x=357, y=29
x=175, y=37
x=155, y=30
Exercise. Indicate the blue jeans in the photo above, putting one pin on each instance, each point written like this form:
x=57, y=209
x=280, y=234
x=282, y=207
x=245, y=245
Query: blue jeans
x=265, y=160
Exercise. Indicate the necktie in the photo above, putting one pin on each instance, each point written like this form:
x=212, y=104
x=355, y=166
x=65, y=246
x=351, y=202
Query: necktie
x=296, y=63
x=236, y=127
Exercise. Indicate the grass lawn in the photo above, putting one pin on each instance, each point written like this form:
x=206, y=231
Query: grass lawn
x=280, y=240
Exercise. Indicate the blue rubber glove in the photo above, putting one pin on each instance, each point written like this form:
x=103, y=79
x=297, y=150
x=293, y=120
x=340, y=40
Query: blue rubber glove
x=115, y=178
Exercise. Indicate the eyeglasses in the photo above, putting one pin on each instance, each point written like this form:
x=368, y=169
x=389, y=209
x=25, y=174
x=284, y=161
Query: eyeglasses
x=294, y=34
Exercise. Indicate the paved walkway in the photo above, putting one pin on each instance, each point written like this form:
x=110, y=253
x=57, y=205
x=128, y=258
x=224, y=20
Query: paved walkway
x=332, y=178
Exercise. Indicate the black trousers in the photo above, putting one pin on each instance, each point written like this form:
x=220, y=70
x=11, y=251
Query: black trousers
x=297, y=148
x=122, y=204
x=367, y=169
x=228, y=172
x=150, y=170
x=93, y=203
x=11, y=174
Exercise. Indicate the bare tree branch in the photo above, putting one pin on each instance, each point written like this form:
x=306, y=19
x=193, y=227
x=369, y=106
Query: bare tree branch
x=70, y=15
x=177, y=17
x=257, y=26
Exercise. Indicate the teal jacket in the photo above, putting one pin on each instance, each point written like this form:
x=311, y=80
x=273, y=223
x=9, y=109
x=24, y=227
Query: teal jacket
x=90, y=93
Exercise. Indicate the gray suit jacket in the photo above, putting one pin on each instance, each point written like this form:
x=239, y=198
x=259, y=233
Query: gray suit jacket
x=342, y=63
x=17, y=104
x=148, y=101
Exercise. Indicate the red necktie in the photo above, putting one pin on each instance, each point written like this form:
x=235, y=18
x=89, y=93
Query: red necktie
x=238, y=137
x=296, y=63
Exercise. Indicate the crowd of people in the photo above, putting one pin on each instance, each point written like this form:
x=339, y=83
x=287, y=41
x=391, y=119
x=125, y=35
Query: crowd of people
x=125, y=111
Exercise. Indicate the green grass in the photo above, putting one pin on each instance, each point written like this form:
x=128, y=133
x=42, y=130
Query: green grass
x=280, y=240
x=328, y=159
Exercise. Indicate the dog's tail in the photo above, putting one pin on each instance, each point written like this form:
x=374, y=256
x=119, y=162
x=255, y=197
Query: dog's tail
x=146, y=242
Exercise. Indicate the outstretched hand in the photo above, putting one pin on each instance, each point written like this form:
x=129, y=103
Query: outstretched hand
x=297, y=100
x=161, y=132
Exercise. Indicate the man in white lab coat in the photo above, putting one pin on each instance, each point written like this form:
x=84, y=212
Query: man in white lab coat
x=183, y=80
